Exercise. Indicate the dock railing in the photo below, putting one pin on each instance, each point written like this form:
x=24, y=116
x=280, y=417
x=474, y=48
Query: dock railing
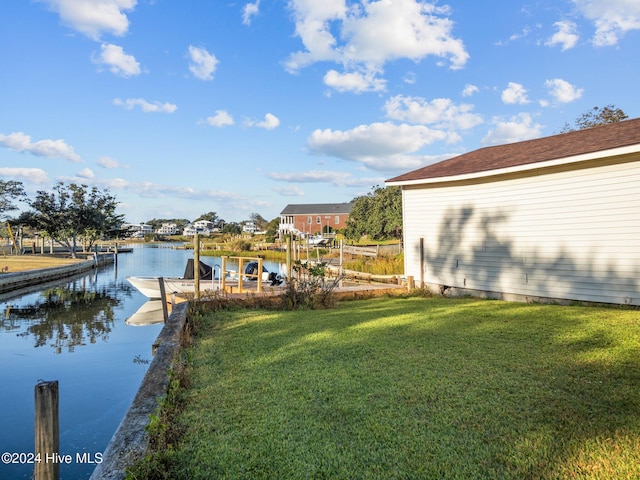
x=241, y=273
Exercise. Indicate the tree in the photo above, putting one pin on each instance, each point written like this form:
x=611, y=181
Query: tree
x=209, y=217
x=272, y=230
x=10, y=192
x=596, y=116
x=70, y=212
x=377, y=215
x=259, y=221
x=232, y=228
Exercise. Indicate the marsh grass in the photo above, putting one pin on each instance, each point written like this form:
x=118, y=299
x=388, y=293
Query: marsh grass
x=411, y=388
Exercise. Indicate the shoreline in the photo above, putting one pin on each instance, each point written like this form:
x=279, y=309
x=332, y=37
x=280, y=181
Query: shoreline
x=23, y=279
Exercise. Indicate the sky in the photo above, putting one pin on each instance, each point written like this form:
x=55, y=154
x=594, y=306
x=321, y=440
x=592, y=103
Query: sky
x=180, y=108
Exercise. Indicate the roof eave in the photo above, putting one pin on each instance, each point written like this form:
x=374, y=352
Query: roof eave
x=613, y=152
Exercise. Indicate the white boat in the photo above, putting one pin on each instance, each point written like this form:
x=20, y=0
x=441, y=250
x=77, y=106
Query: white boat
x=149, y=286
x=318, y=241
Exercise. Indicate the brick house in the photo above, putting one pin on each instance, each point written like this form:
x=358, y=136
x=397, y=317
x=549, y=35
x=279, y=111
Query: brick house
x=311, y=219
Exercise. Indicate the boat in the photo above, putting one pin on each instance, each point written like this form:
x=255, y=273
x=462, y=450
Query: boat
x=149, y=286
x=318, y=241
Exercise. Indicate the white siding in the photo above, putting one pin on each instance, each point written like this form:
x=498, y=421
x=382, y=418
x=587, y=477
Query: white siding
x=557, y=234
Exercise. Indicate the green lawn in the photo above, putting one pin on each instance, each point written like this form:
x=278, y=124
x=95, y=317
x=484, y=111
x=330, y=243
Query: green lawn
x=410, y=388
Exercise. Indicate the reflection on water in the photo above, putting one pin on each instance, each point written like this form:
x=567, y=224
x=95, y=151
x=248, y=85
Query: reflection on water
x=64, y=317
x=93, y=333
x=76, y=331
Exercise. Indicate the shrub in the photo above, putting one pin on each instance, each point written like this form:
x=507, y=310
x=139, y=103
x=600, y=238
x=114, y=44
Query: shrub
x=310, y=287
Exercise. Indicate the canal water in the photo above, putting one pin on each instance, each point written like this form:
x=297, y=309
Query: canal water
x=81, y=332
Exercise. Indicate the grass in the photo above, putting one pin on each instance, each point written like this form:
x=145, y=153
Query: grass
x=18, y=263
x=410, y=388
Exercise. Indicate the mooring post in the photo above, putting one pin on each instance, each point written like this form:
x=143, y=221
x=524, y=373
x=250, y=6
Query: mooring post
x=196, y=266
x=163, y=296
x=47, y=431
x=288, y=237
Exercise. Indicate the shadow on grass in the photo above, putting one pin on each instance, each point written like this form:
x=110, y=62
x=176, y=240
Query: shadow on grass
x=456, y=388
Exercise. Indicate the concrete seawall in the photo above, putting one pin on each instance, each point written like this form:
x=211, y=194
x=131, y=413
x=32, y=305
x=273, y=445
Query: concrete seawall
x=131, y=439
x=18, y=280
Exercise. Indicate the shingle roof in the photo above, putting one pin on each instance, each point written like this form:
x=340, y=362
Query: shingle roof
x=564, y=145
x=317, y=209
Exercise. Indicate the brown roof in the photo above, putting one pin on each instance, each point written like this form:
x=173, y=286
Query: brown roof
x=564, y=145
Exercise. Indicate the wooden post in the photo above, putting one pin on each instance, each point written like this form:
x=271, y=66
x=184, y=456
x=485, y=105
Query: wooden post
x=115, y=254
x=410, y=283
x=421, y=262
x=240, y=272
x=223, y=273
x=163, y=297
x=340, y=269
x=259, y=275
x=47, y=431
x=289, y=263
x=196, y=265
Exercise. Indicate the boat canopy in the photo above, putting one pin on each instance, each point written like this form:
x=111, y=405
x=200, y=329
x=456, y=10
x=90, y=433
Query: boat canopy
x=206, y=272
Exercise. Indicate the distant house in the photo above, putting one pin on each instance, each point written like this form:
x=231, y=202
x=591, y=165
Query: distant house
x=201, y=227
x=249, y=227
x=138, y=230
x=167, y=229
x=310, y=219
x=551, y=218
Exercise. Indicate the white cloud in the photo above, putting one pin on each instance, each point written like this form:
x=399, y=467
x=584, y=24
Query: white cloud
x=220, y=119
x=612, y=18
x=117, y=60
x=365, y=36
x=441, y=112
x=515, y=93
x=338, y=179
x=289, y=191
x=85, y=173
x=21, y=142
x=94, y=17
x=520, y=127
x=203, y=64
x=469, y=90
x=250, y=10
x=563, y=91
x=355, y=82
x=32, y=175
x=410, y=78
x=380, y=146
x=269, y=123
x=146, y=107
x=108, y=162
x=566, y=35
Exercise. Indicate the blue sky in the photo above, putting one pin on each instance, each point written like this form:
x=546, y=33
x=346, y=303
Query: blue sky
x=182, y=108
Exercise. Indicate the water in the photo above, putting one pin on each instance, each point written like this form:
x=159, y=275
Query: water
x=76, y=333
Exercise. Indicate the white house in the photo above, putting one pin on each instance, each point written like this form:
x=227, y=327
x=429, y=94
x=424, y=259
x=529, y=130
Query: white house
x=167, y=229
x=138, y=230
x=249, y=227
x=201, y=227
x=551, y=218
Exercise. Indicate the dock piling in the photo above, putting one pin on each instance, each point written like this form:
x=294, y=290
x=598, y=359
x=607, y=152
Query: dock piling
x=47, y=431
